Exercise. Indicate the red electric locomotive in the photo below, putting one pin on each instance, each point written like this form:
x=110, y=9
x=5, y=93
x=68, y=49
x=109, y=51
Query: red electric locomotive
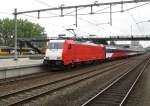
x=70, y=52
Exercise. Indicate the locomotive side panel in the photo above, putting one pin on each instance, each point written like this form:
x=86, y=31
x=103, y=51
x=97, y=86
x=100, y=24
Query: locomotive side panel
x=68, y=53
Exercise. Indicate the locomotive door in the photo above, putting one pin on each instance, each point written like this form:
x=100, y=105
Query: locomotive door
x=71, y=53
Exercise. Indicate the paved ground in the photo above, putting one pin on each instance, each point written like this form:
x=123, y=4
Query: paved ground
x=10, y=63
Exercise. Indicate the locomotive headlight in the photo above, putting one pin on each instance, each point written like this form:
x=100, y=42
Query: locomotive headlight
x=59, y=58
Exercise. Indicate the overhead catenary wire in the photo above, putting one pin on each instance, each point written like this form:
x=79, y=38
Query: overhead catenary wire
x=134, y=20
x=41, y=2
x=96, y=12
x=92, y=23
x=103, y=9
x=5, y=13
x=104, y=12
x=78, y=6
x=44, y=3
x=44, y=22
x=137, y=6
x=74, y=11
x=99, y=12
x=83, y=8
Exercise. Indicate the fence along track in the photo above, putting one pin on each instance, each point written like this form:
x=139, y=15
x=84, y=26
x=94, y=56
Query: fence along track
x=18, y=94
x=117, y=92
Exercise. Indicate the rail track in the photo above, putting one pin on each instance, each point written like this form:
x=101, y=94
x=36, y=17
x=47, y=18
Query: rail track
x=45, y=73
x=117, y=92
x=17, y=97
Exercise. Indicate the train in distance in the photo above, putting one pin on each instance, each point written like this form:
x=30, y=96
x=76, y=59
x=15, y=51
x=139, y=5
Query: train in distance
x=63, y=52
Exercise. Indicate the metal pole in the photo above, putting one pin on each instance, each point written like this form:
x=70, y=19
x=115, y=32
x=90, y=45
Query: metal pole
x=15, y=34
x=111, y=14
x=38, y=14
x=91, y=9
x=122, y=7
x=76, y=18
x=131, y=30
x=62, y=12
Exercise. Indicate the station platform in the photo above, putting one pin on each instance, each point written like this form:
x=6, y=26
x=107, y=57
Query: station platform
x=6, y=64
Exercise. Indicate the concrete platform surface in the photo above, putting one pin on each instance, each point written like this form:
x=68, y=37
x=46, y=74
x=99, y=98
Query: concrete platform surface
x=20, y=63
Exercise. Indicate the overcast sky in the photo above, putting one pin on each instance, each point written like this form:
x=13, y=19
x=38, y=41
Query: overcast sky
x=89, y=24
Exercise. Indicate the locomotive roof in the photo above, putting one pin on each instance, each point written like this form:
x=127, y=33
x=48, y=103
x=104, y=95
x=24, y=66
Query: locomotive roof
x=60, y=40
x=74, y=41
x=86, y=43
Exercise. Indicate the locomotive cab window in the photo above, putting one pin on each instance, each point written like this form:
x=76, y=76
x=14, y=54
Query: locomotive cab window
x=55, y=45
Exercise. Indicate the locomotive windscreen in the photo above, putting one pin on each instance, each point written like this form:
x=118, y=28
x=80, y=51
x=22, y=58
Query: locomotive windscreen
x=57, y=45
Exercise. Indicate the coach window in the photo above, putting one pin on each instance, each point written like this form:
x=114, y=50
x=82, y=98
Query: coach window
x=69, y=46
